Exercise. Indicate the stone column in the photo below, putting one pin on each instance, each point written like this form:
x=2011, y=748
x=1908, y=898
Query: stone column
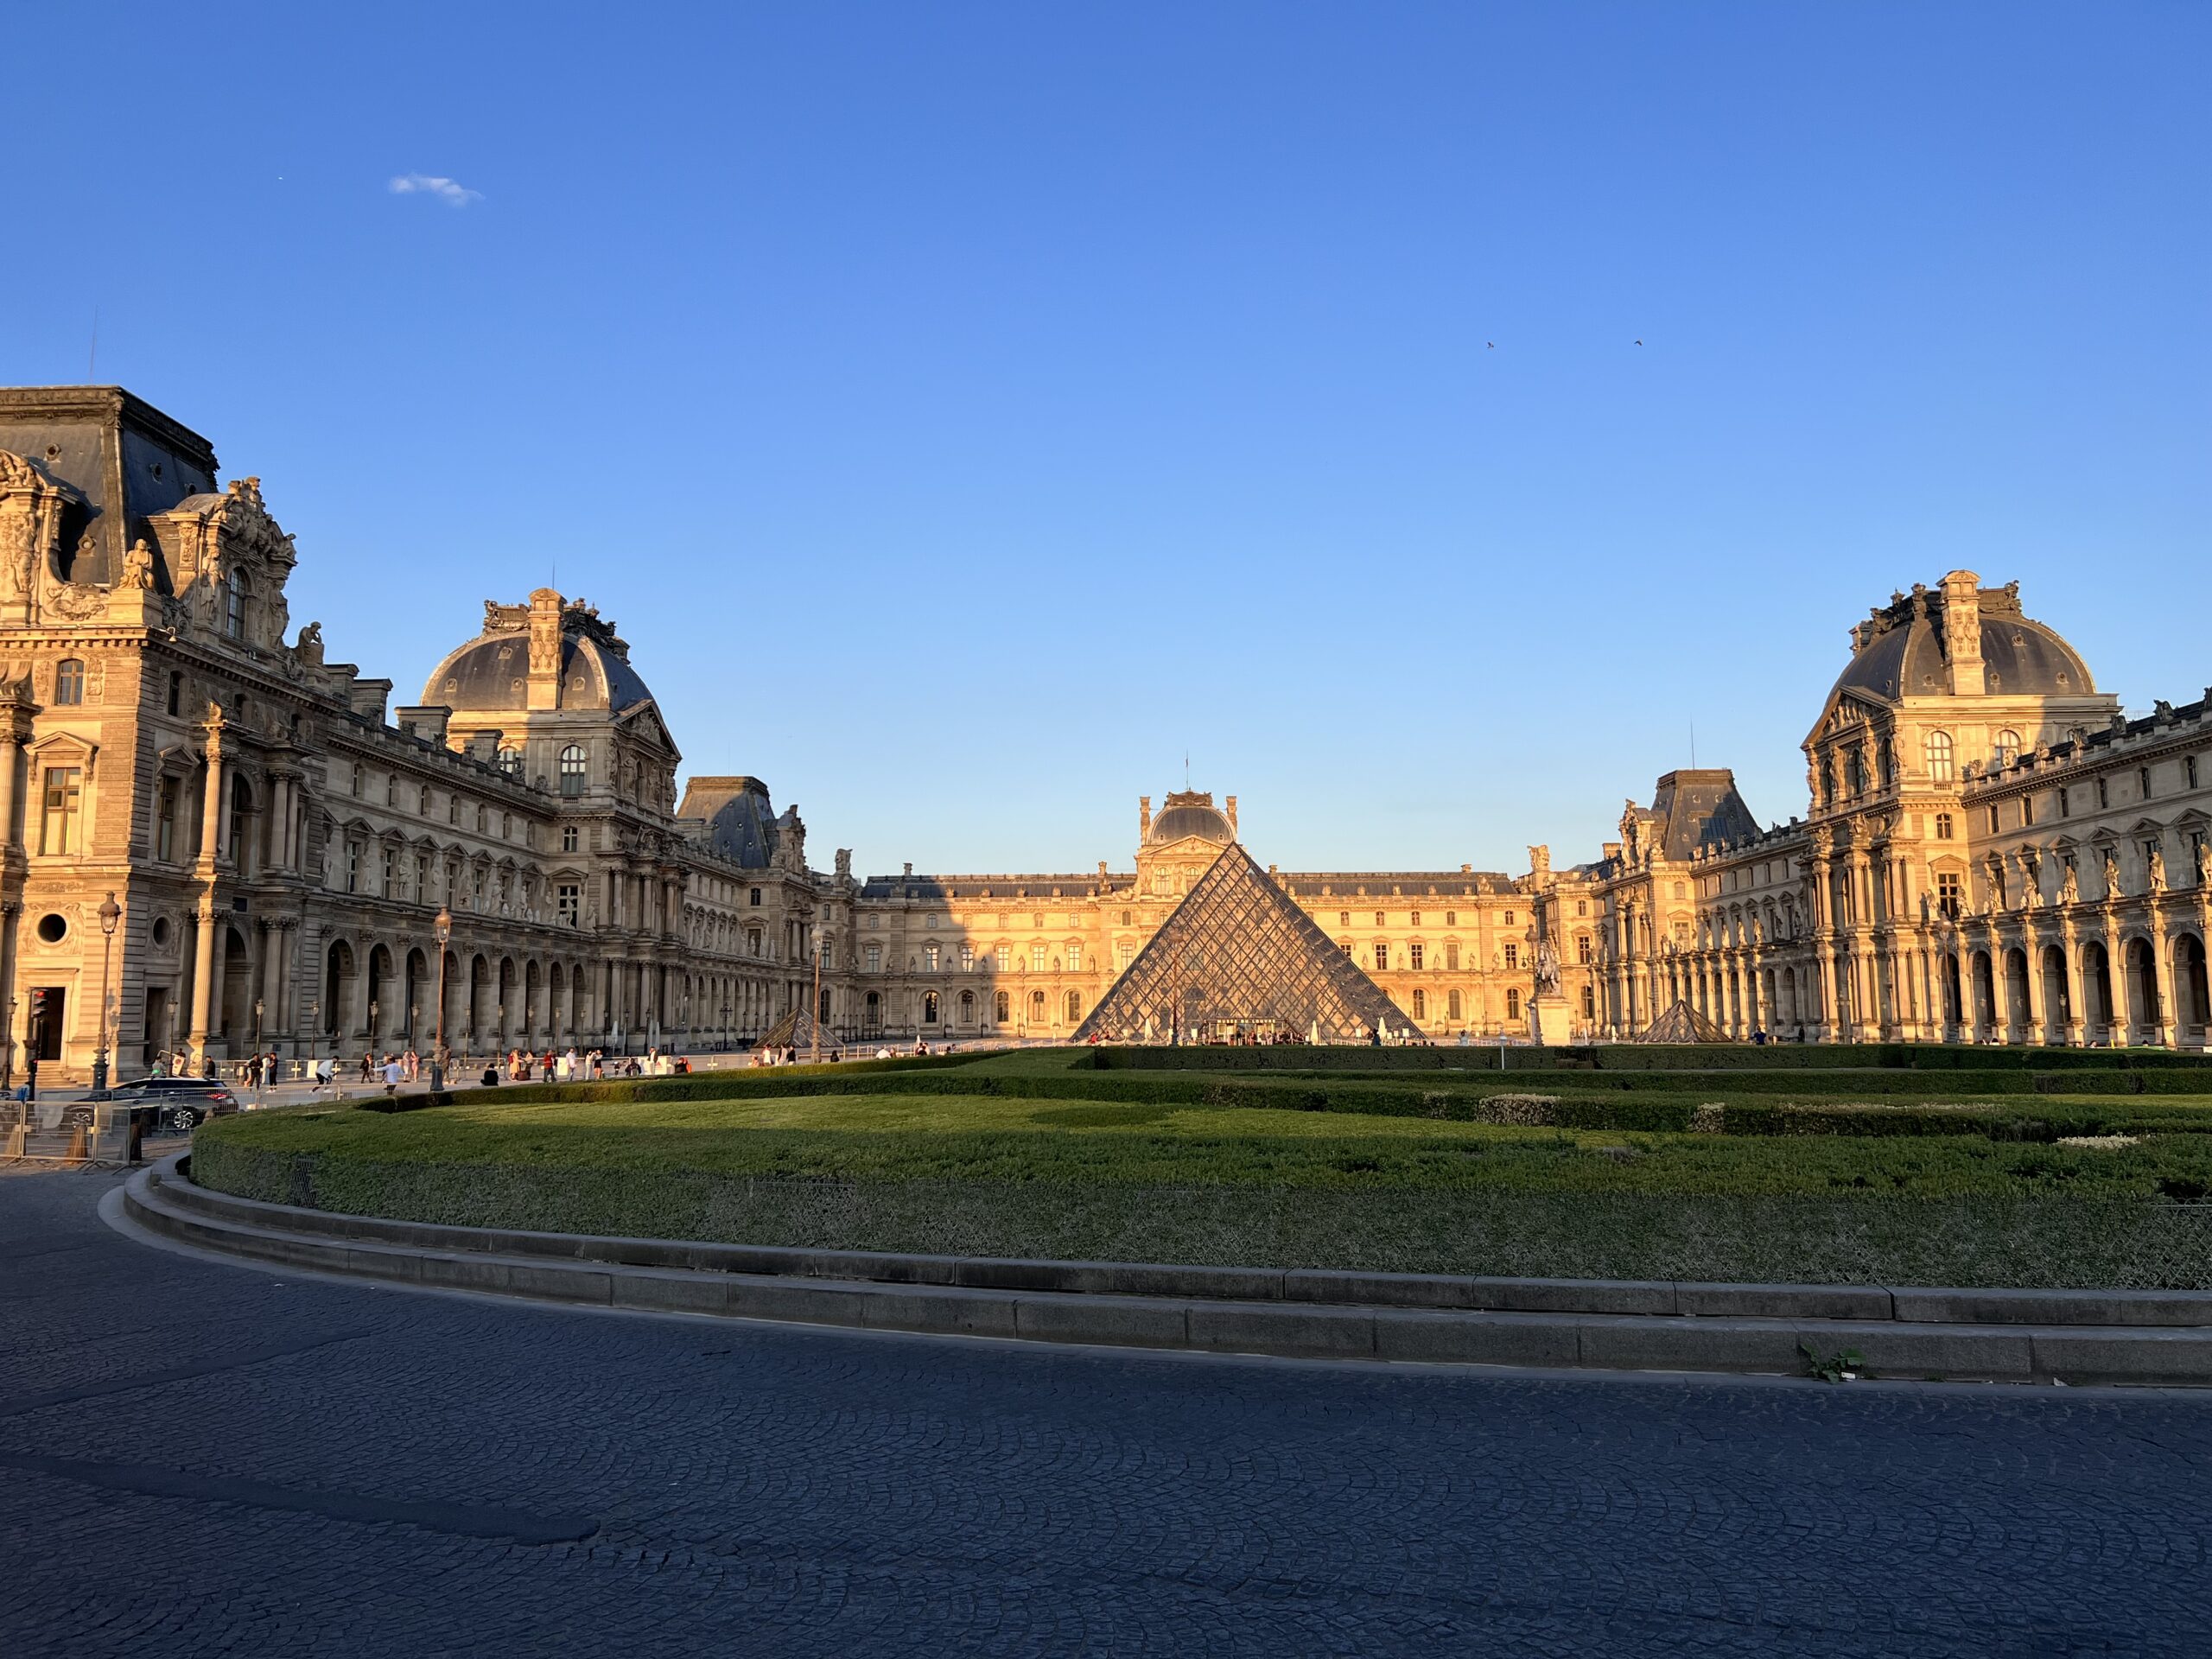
x=2162, y=976
x=213, y=796
x=2032, y=1029
x=272, y=958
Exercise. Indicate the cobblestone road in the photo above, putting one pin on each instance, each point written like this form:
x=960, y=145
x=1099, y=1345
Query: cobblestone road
x=199, y=1458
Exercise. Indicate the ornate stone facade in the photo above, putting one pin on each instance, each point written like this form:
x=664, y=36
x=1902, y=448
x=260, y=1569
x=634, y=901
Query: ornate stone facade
x=280, y=849
x=1993, y=852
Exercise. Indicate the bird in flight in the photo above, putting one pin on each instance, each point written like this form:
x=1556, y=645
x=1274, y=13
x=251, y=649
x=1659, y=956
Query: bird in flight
x=1639, y=342
x=1491, y=344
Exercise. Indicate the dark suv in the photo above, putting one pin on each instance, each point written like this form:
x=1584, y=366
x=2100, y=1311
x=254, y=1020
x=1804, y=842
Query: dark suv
x=182, y=1103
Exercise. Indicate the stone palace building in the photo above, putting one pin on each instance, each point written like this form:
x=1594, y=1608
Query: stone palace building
x=1993, y=852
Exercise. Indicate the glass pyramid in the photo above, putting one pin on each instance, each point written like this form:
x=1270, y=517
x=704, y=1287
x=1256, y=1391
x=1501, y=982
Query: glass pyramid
x=1239, y=955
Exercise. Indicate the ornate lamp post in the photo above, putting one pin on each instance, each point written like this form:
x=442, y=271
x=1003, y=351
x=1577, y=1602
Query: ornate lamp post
x=725, y=1025
x=441, y=930
x=814, y=1014
x=110, y=913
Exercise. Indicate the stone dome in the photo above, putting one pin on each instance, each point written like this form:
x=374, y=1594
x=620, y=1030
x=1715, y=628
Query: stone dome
x=492, y=671
x=1189, y=813
x=1901, y=650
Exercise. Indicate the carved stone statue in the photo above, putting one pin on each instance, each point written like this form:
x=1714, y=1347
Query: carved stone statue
x=2112, y=875
x=2155, y=875
x=2069, y=890
x=2204, y=865
x=138, y=566
x=309, y=648
x=1545, y=962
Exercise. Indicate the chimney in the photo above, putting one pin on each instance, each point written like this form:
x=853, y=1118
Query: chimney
x=485, y=746
x=544, y=690
x=427, y=723
x=1961, y=605
x=1232, y=814
x=1144, y=816
x=367, y=698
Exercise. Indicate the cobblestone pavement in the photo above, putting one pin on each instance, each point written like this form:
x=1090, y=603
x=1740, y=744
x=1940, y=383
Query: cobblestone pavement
x=196, y=1458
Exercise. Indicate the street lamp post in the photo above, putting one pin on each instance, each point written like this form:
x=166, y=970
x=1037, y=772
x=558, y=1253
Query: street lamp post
x=814, y=1014
x=441, y=930
x=725, y=1025
x=111, y=913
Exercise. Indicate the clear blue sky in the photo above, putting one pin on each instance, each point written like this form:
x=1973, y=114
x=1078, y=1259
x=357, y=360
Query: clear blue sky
x=965, y=410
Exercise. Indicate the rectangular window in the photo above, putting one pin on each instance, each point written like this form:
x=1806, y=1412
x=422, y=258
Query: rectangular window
x=1037, y=958
x=1414, y=953
x=165, y=822
x=1993, y=817
x=64, y=790
x=1380, y=920
x=2143, y=783
x=1125, y=954
x=2189, y=769
x=2027, y=810
x=1942, y=826
x=1004, y=957
x=1452, y=1005
x=1584, y=952
x=390, y=888
x=1451, y=918
x=967, y=960
x=929, y=958
x=568, y=904
x=1420, y=1005
x=2104, y=796
x=1512, y=956
x=1452, y=957
x=1075, y=958
x=353, y=866
x=874, y=955
x=1381, y=956
x=755, y=899
x=2065, y=802
x=1949, y=897
x=753, y=939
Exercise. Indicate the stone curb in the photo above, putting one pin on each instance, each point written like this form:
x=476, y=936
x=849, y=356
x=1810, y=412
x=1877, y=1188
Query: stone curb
x=2161, y=1338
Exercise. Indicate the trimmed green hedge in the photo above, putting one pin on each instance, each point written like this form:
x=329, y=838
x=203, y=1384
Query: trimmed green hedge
x=1634, y=1057
x=1668, y=1102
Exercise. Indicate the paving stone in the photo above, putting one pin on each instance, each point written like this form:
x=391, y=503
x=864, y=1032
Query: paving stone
x=778, y=1490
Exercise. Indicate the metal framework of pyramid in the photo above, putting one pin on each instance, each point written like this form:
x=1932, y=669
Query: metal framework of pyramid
x=1239, y=954
x=1681, y=1024
x=794, y=1028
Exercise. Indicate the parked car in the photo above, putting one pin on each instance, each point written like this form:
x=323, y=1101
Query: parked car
x=182, y=1103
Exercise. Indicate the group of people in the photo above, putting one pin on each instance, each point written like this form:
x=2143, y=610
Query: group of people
x=523, y=1065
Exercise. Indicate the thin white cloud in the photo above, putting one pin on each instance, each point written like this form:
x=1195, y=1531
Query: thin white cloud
x=445, y=190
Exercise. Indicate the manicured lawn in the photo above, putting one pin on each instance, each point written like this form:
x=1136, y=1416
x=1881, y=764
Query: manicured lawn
x=903, y=1138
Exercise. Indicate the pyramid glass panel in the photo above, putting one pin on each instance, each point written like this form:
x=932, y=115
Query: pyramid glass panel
x=1238, y=955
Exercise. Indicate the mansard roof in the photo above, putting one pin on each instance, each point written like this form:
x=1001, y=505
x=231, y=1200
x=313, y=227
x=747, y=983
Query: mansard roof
x=1899, y=652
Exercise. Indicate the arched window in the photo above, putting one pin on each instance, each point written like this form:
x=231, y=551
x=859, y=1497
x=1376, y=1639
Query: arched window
x=234, y=595
x=967, y=1008
x=1036, y=1008
x=1074, y=1007
x=2005, y=748
x=1939, y=757
x=572, y=771
x=1420, y=1005
x=1452, y=1005
x=929, y=1007
x=1001, y=1008
x=510, y=762
x=69, y=681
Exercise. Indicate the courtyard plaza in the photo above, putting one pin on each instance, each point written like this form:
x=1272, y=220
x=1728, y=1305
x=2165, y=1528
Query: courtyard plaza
x=207, y=1458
